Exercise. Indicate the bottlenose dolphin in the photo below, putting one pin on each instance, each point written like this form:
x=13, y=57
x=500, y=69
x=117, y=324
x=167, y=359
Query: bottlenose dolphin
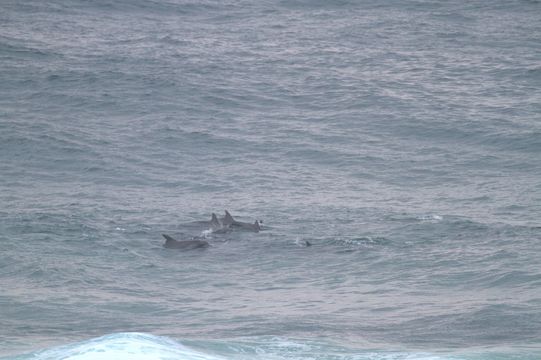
x=229, y=222
x=304, y=243
x=218, y=225
x=194, y=243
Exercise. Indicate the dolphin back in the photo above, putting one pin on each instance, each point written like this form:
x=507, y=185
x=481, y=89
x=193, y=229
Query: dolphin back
x=171, y=243
x=168, y=238
x=215, y=223
x=228, y=219
x=257, y=227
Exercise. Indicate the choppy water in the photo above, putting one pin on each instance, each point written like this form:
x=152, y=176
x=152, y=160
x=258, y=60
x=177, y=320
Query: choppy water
x=401, y=139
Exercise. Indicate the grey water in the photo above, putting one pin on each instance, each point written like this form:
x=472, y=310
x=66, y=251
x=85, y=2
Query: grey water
x=402, y=139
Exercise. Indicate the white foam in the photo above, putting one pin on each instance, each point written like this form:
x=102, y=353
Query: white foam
x=124, y=346
x=140, y=346
x=206, y=233
x=301, y=242
x=430, y=217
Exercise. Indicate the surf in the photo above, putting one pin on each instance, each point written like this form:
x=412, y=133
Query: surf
x=144, y=346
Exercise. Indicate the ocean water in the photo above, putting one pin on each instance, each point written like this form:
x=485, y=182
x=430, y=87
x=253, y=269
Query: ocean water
x=401, y=139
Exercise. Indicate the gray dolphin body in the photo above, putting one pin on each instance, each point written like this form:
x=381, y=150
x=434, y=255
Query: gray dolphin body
x=221, y=225
x=171, y=243
x=229, y=221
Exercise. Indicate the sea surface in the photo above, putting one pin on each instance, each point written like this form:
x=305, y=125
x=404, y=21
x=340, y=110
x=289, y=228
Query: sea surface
x=401, y=139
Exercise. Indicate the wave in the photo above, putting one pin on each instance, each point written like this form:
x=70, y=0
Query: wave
x=142, y=346
x=119, y=346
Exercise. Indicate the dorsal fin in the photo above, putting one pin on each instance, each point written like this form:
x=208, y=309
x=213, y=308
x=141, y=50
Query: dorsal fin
x=168, y=238
x=228, y=219
x=215, y=223
x=256, y=226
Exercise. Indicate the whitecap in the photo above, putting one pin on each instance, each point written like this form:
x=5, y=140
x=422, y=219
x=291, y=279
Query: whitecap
x=120, y=346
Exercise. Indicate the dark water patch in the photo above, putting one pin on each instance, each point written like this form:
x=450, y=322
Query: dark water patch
x=481, y=326
x=525, y=142
x=11, y=51
x=513, y=279
x=316, y=5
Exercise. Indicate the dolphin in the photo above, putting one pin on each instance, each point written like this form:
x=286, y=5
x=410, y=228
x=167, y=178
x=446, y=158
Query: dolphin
x=229, y=221
x=218, y=225
x=304, y=243
x=194, y=243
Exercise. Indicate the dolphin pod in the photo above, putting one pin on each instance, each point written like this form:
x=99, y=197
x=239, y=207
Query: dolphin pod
x=228, y=219
x=218, y=226
x=221, y=225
